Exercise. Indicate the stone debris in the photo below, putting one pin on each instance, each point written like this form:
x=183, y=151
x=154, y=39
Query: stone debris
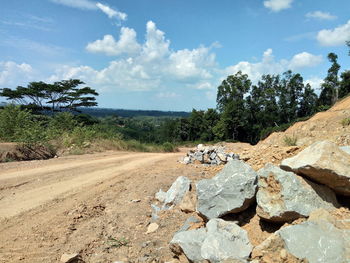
x=220, y=241
x=176, y=192
x=325, y=163
x=209, y=155
x=314, y=241
x=284, y=196
x=232, y=190
x=302, y=195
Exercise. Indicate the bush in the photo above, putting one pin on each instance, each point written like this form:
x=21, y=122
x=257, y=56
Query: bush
x=290, y=140
x=169, y=147
x=345, y=122
x=17, y=125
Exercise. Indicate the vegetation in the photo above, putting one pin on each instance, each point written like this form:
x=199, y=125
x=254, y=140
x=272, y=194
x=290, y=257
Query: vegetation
x=290, y=140
x=345, y=122
x=48, y=113
x=60, y=96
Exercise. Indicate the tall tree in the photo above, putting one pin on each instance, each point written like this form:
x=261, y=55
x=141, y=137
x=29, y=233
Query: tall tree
x=344, y=84
x=308, y=102
x=59, y=96
x=231, y=106
x=330, y=87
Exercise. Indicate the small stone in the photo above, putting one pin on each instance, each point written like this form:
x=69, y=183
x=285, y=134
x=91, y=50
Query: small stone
x=153, y=227
x=69, y=258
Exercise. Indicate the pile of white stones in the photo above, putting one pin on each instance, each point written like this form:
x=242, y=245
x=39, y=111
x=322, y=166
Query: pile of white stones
x=209, y=155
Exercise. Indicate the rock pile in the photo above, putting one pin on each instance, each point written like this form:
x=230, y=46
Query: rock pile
x=311, y=232
x=209, y=155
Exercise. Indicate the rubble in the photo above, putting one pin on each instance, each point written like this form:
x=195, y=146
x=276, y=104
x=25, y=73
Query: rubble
x=209, y=155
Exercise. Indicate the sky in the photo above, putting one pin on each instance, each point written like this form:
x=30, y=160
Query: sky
x=168, y=54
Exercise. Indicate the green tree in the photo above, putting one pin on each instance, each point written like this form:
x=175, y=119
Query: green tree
x=231, y=105
x=344, y=84
x=60, y=96
x=308, y=102
x=330, y=87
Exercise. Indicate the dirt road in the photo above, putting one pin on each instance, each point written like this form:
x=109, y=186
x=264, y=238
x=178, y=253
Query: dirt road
x=76, y=204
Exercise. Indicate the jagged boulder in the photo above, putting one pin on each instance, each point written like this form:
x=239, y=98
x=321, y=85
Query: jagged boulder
x=220, y=241
x=325, y=163
x=231, y=191
x=225, y=241
x=284, y=196
x=313, y=241
x=176, y=192
x=189, y=243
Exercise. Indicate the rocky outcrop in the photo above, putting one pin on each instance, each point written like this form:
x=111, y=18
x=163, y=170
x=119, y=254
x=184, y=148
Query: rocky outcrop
x=315, y=241
x=231, y=191
x=209, y=155
x=284, y=196
x=220, y=241
x=324, y=163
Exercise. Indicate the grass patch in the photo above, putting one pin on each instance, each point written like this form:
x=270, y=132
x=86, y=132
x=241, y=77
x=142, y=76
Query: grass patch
x=290, y=140
x=345, y=122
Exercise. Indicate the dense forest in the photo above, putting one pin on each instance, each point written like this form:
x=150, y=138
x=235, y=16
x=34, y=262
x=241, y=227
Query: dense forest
x=245, y=111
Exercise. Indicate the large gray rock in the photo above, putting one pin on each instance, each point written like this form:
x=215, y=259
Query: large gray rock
x=323, y=162
x=225, y=241
x=230, y=191
x=316, y=241
x=189, y=243
x=284, y=196
x=220, y=241
x=175, y=193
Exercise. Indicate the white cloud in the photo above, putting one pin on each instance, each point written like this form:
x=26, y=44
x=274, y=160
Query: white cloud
x=320, y=15
x=81, y=4
x=151, y=65
x=305, y=59
x=127, y=43
x=11, y=73
x=268, y=65
x=334, y=37
x=315, y=83
x=111, y=13
x=278, y=5
x=91, y=5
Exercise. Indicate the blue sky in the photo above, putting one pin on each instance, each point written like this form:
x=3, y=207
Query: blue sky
x=168, y=54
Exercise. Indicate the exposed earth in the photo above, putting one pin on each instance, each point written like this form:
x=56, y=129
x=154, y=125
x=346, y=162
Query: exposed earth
x=98, y=205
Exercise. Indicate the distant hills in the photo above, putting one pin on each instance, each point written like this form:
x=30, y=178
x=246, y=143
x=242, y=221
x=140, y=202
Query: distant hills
x=103, y=112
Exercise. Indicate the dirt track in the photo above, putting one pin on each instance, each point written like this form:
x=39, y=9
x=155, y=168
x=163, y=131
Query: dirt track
x=75, y=203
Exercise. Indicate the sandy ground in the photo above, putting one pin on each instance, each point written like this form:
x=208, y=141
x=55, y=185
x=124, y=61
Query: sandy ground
x=76, y=204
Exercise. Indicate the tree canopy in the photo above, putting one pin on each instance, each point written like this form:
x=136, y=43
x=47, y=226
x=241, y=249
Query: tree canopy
x=62, y=95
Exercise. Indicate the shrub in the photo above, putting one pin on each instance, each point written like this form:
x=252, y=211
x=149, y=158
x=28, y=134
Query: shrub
x=345, y=122
x=169, y=147
x=290, y=140
x=17, y=125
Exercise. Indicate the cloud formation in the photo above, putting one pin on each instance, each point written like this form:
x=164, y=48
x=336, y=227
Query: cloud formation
x=334, y=37
x=91, y=5
x=111, y=13
x=320, y=15
x=11, y=72
x=278, y=5
x=127, y=43
x=150, y=65
x=268, y=65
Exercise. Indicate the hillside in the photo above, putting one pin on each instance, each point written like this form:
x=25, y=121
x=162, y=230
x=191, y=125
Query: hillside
x=323, y=125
